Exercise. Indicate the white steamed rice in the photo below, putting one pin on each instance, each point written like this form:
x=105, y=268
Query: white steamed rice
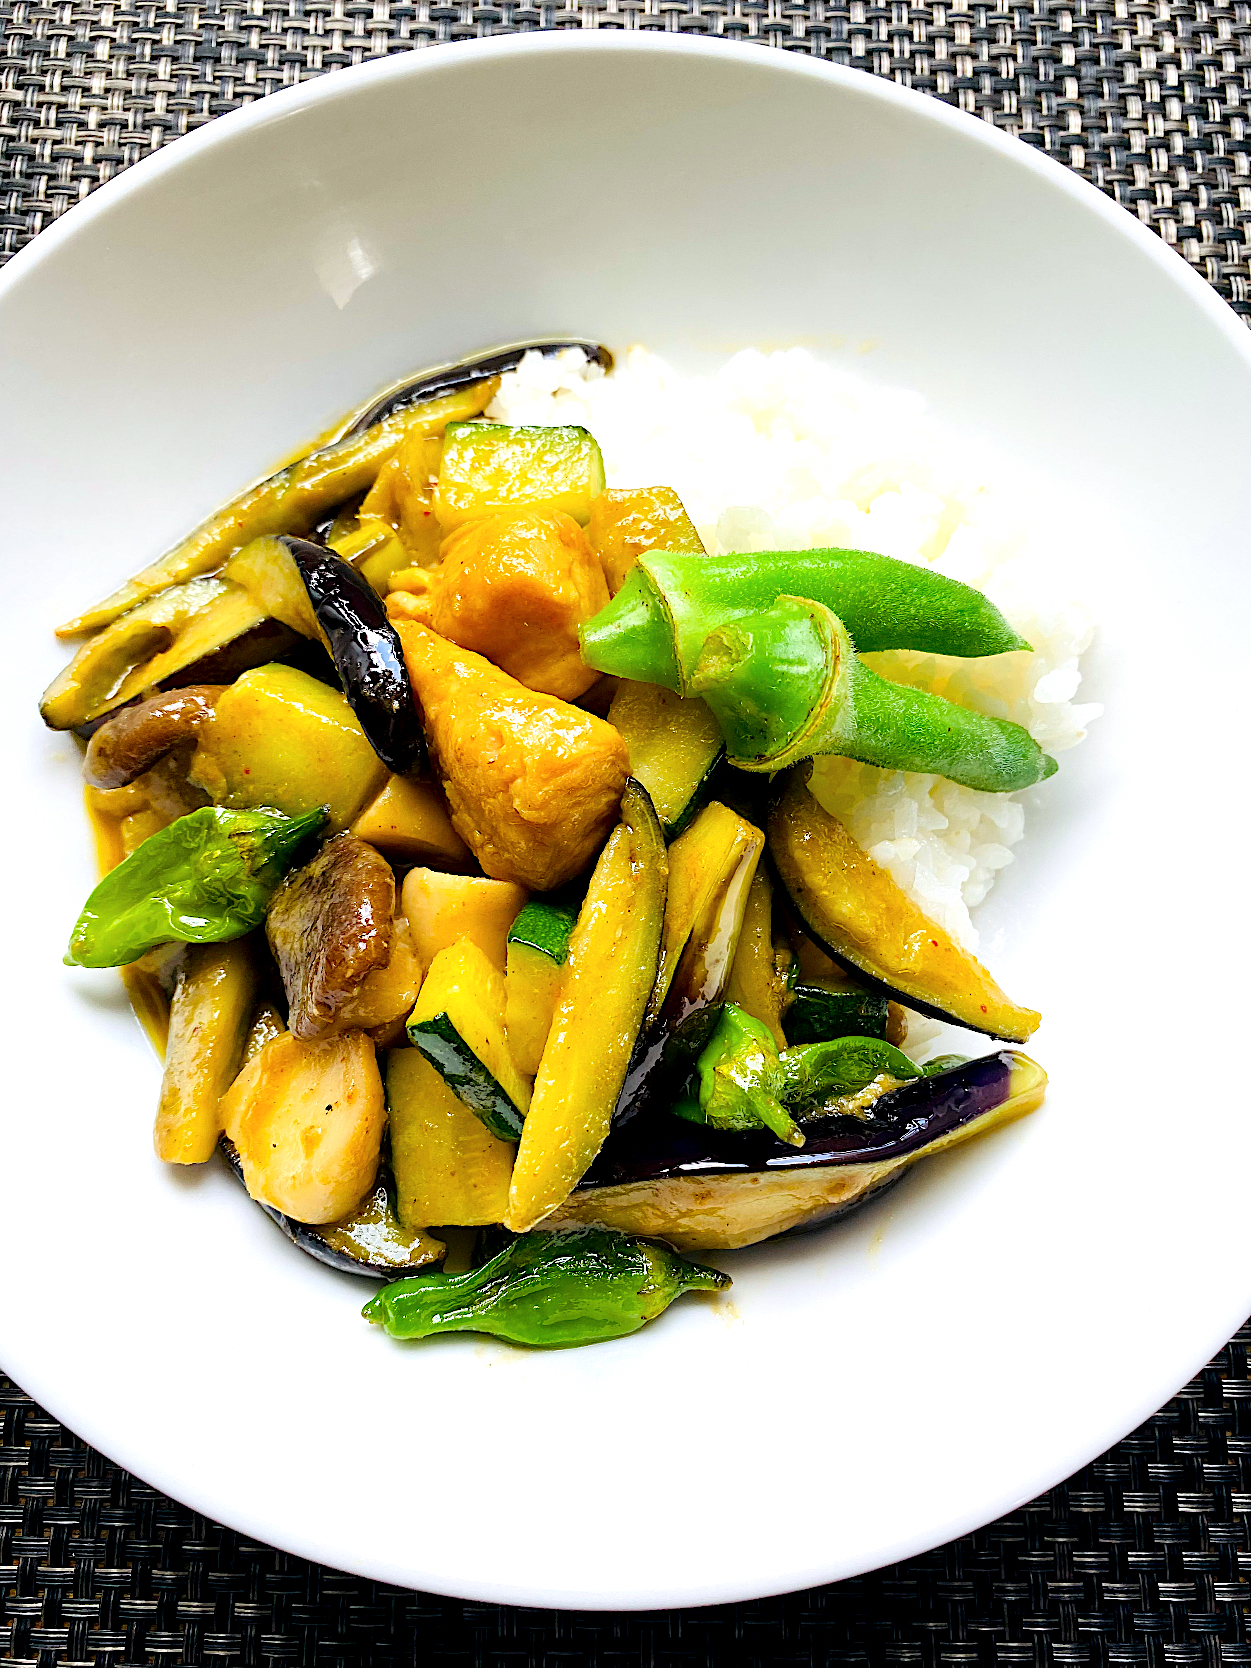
x=780, y=451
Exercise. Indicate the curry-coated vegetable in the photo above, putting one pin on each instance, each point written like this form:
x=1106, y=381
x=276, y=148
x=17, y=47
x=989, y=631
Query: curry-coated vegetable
x=786, y=683
x=366, y=652
x=739, y=1080
x=548, y=1290
x=280, y=737
x=656, y=625
x=613, y=953
x=704, y=1189
x=855, y=911
x=292, y=501
x=448, y=1166
x=489, y=467
x=675, y=747
x=538, y=949
x=444, y=909
x=626, y=521
x=206, y=878
x=818, y=1009
x=408, y=821
x=208, y=1025
x=759, y=971
x=458, y=1024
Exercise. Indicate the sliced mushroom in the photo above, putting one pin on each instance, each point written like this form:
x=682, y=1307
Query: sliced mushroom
x=330, y=926
x=139, y=736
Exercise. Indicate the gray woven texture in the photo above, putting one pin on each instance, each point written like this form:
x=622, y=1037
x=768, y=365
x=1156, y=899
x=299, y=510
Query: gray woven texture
x=1148, y=99
x=1142, y=1558
x=1138, y=1560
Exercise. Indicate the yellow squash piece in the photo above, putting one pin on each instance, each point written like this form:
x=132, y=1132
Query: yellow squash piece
x=458, y=1024
x=208, y=1026
x=612, y=963
x=515, y=588
x=449, y=1169
x=138, y=652
x=675, y=747
x=306, y=1119
x=856, y=912
x=711, y=868
x=626, y=522
x=489, y=467
x=757, y=983
x=278, y=737
x=290, y=502
x=408, y=822
x=533, y=784
x=444, y=909
x=532, y=992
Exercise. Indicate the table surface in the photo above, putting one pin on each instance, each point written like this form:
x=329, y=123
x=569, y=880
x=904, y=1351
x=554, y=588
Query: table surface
x=1138, y=1559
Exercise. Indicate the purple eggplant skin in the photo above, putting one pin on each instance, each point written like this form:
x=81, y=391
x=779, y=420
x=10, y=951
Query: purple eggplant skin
x=701, y=1189
x=915, y=1115
x=366, y=652
x=447, y=378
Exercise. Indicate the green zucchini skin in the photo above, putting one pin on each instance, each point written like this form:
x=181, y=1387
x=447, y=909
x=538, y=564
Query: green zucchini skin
x=466, y=1076
x=821, y=1012
x=545, y=925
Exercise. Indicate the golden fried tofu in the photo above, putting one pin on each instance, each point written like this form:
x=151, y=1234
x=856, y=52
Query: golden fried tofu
x=533, y=785
x=515, y=588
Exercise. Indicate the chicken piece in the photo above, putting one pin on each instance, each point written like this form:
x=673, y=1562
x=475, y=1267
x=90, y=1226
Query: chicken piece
x=330, y=926
x=515, y=588
x=533, y=785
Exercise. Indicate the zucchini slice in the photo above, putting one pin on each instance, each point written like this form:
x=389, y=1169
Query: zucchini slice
x=489, y=467
x=208, y=1026
x=538, y=948
x=675, y=747
x=458, y=1024
x=448, y=1167
x=613, y=954
x=854, y=910
x=627, y=521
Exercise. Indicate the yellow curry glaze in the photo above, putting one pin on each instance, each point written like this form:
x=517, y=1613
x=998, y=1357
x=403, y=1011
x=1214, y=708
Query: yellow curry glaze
x=515, y=588
x=532, y=783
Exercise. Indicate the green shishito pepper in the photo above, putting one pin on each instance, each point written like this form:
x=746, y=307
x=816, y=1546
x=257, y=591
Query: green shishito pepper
x=654, y=629
x=743, y=1083
x=786, y=683
x=206, y=878
x=549, y=1290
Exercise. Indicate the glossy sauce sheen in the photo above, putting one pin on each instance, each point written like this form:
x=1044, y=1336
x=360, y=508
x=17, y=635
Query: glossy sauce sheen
x=367, y=654
x=912, y=1116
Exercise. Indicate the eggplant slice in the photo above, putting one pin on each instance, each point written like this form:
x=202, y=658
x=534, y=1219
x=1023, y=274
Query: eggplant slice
x=445, y=379
x=366, y=652
x=371, y=1242
x=700, y=1189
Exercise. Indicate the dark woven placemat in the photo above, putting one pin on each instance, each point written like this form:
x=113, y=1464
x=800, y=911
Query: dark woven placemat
x=1140, y=1558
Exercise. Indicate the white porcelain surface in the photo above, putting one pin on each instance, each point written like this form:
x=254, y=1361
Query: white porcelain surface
x=1009, y=1311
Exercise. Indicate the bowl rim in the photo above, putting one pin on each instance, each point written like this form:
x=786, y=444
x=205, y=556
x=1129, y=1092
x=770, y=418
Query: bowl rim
x=419, y=60
x=222, y=131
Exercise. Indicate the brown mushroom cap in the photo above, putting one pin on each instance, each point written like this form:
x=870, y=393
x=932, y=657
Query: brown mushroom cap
x=329, y=926
x=141, y=735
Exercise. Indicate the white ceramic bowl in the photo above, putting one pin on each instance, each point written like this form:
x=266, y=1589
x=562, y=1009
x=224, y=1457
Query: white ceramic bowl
x=1005, y=1314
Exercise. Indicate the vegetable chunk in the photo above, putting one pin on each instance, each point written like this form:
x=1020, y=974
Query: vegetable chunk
x=306, y=1119
x=278, y=737
x=408, y=820
x=444, y=909
x=613, y=954
x=449, y=1168
x=515, y=588
x=208, y=1026
x=533, y=784
x=626, y=522
x=488, y=467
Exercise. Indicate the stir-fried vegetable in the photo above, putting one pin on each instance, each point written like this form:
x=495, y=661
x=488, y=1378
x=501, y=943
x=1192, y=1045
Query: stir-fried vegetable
x=464, y=878
x=206, y=878
x=548, y=1290
x=857, y=913
x=655, y=628
x=786, y=683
